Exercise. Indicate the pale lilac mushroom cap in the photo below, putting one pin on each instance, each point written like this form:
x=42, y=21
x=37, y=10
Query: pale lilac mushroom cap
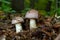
x=32, y=14
x=17, y=20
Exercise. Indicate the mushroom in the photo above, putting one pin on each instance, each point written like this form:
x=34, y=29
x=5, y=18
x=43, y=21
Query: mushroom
x=3, y=37
x=32, y=15
x=17, y=21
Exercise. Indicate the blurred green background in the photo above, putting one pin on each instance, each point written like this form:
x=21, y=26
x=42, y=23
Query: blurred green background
x=45, y=7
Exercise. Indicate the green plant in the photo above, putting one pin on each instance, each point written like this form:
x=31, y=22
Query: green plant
x=6, y=6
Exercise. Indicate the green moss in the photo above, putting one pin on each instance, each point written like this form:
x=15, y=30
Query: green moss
x=43, y=12
x=41, y=4
x=27, y=3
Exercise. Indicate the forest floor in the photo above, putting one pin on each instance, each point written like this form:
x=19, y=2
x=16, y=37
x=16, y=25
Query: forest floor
x=44, y=31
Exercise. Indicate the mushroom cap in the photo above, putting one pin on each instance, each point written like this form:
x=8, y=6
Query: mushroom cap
x=32, y=14
x=17, y=20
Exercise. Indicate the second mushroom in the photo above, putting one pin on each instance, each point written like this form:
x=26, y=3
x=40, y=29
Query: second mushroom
x=32, y=15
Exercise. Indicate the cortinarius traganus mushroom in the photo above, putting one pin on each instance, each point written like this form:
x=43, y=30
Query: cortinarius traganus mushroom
x=17, y=21
x=3, y=37
x=32, y=15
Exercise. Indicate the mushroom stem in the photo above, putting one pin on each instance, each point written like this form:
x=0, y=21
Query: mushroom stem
x=18, y=27
x=3, y=37
x=32, y=23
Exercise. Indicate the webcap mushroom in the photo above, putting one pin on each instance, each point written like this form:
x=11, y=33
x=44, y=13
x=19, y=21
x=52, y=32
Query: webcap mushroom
x=3, y=37
x=17, y=21
x=32, y=15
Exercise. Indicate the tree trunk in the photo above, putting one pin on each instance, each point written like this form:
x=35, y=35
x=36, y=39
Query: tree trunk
x=48, y=7
x=0, y=3
x=32, y=3
x=18, y=5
